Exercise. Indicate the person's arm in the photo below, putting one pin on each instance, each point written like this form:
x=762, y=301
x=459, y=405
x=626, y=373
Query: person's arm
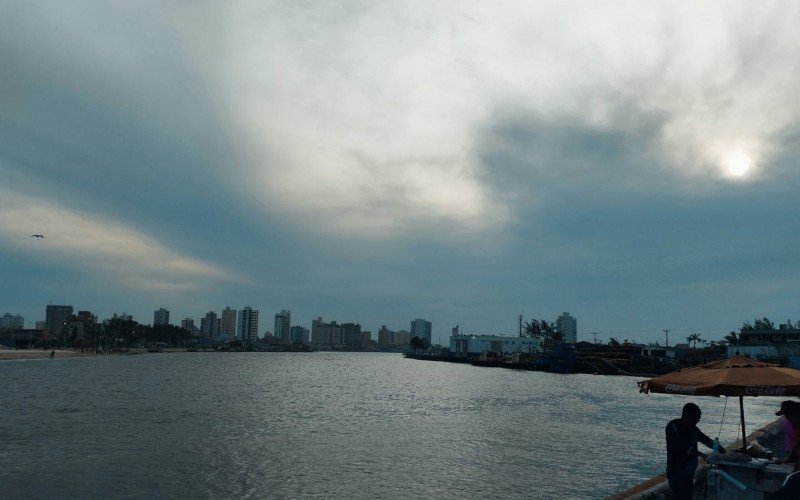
x=708, y=441
x=704, y=439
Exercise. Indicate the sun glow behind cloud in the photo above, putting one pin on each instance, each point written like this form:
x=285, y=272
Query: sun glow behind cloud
x=737, y=165
x=368, y=118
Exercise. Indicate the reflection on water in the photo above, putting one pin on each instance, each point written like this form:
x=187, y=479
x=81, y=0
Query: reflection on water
x=327, y=425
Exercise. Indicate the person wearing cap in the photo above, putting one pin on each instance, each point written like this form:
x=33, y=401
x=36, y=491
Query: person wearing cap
x=682, y=438
x=791, y=412
x=788, y=428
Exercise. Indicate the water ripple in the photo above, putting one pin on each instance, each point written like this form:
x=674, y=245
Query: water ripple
x=329, y=425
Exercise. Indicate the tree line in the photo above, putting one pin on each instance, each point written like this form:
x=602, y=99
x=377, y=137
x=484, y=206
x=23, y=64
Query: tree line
x=117, y=332
x=549, y=333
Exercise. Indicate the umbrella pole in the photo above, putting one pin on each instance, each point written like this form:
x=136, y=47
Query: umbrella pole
x=741, y=415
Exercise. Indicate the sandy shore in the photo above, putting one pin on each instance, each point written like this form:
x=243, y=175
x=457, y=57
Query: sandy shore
x=9, y=354
x=17, y=354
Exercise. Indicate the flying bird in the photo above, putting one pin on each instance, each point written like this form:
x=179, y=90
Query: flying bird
x=37, y=236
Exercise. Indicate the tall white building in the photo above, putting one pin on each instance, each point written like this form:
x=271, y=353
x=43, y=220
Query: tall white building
x=568, y=327
x=209, y=325
x=248, y=325
x=422, y=329
x=282, y=325
x=228, y=322
x=161, y=317
x=188, y=325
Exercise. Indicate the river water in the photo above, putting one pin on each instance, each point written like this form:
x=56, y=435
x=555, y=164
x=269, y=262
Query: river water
x=330, y=425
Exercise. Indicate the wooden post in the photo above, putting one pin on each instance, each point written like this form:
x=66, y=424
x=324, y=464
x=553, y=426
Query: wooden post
x=741, y=415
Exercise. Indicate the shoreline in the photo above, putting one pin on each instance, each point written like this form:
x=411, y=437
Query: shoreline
x=28, y=354
x=31, y=354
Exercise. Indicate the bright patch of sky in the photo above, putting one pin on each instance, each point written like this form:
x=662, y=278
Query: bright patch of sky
x=631, y=163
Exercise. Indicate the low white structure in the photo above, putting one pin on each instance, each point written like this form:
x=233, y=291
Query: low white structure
x=665, y=353
x=476, y=344
x=754, y=351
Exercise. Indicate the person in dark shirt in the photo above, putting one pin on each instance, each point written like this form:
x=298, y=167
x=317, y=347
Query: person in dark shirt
x=682, y=438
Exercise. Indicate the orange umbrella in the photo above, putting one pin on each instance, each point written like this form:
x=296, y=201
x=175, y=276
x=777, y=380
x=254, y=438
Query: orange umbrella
x=737, y=376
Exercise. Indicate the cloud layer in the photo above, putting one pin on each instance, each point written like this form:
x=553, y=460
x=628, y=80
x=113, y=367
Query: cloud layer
x=98, y=246
x=382, y=107
x=378, y=162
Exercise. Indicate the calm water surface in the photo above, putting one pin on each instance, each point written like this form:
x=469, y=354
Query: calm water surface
x=329, y=425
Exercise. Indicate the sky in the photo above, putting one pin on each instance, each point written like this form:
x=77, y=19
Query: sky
x=631, y=163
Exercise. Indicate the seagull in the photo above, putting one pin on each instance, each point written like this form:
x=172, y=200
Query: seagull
x=37, y=236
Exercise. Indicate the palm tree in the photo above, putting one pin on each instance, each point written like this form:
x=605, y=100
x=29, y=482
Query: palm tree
x=763, y=324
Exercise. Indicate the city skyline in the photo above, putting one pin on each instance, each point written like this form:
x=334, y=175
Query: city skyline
x=228, y=323
x=634, y=164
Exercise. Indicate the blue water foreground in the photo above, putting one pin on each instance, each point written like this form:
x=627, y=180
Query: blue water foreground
x=332, y=425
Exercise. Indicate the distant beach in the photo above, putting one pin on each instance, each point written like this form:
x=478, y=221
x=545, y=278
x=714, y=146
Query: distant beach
x=19, y=354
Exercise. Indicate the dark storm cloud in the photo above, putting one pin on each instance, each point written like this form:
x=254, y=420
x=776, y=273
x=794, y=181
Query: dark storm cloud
x=110, y=112
x=531, y=158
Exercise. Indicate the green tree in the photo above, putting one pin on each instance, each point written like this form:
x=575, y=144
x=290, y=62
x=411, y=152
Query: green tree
x=532, y=329
x=613, y=341
x=731, y=338
x=416, y=344
x=543, y=330
x=169, y=334
x=120, y=331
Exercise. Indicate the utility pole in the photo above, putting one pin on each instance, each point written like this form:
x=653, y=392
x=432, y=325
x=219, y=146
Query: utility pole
x=666, y=332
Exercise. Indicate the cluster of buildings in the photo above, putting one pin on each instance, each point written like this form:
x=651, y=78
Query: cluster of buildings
x=11, y=322
x=230, y=324
x=59, y=321
x=390, y=339
x=63, y=324
x=778, y=345
x=472, y=344
x=242, y=325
